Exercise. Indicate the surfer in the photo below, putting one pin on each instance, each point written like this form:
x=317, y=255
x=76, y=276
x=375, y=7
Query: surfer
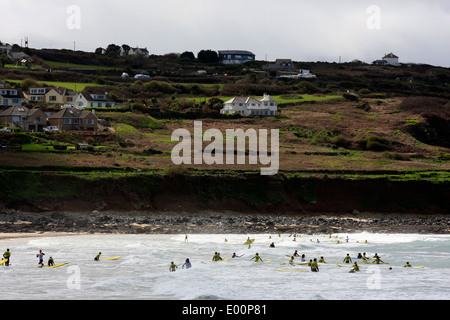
x=97, y=257
x=40, y=255
x=272, y=245
x=364, y=256
x=303, y=259
x=355, y=266
x=257, y=258
x=187, y=263
x=236, y=256
x=322, y=260
x=6, y=256
x=377, y=259
x=216, y=257
x=51, y=262
x=407, y=265
x=172, y=267
x=291, y=261
x=185, y=237
x=314, y=266
x=296, y=254
x=347, y=259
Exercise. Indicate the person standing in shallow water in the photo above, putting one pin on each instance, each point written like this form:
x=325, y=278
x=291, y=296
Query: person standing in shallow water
x=187, y=263
x=6, y=256
x=40, y=255
x=172, y=267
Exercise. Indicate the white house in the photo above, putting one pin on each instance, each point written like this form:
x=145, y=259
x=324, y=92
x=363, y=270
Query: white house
x=94, y=100
x=391, y=59
x=249, y=106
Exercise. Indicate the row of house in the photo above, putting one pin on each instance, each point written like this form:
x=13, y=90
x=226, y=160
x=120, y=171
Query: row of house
x=37, y=119
x=54, y=96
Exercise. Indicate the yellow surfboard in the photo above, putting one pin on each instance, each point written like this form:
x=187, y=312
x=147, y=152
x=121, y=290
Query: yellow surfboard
x=57, y=265
x=218, y=260
x=3, y=261
x=113, y=258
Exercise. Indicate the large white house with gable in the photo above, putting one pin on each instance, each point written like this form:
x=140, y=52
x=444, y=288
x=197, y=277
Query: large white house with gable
x=249, y=106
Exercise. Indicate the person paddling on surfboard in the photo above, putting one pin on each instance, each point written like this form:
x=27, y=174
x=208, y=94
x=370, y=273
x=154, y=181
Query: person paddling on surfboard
x=407, y=265
x=97, y=257
x=236, y=256
x=257, y=258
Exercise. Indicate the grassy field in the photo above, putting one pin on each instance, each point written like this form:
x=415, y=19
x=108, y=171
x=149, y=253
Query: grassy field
x=281, y=99
x=56, y=64
x=75, y=86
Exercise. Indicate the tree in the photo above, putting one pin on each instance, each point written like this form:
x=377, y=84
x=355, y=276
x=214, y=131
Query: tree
x=187, y=55
x=113, y=50
x=125, y=49
x=208, y=56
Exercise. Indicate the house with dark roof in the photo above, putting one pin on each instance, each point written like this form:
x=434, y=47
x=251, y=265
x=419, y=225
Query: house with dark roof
x=235, y=56
x=71, y=118
x=37, y=94
x=281, y=65
x=60, y=96
x=94, y=100
x=388, y=59
x=23, y=118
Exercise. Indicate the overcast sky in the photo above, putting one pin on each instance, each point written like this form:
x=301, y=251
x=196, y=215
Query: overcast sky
x=321, y=30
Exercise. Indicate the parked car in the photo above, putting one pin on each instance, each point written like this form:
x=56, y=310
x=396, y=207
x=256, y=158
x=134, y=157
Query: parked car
x=5, y=129
x=51, y=128
x=141, y=76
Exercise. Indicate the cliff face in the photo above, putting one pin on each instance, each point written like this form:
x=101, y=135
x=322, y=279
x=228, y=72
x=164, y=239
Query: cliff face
x=50, y=191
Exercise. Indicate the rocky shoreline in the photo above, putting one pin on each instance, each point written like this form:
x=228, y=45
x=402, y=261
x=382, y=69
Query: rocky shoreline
x=141, y=222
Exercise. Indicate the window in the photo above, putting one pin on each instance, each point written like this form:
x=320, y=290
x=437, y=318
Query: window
x=52, y=98
x=39, y=119
x=15, y=101
x=67, y=121
x=89, y=121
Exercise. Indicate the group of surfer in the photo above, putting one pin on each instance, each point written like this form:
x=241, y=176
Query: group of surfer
x=186, y=264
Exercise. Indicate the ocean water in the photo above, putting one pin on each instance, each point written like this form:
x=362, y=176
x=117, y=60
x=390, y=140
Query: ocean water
x=142, y=272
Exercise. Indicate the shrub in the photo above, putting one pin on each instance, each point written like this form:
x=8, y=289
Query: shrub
x=376, y=143
x=396, y=156
x=306, y=87
x=59, y=147
x=176, y=171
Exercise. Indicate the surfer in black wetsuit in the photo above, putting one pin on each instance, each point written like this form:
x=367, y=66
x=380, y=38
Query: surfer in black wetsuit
x=51, y=262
